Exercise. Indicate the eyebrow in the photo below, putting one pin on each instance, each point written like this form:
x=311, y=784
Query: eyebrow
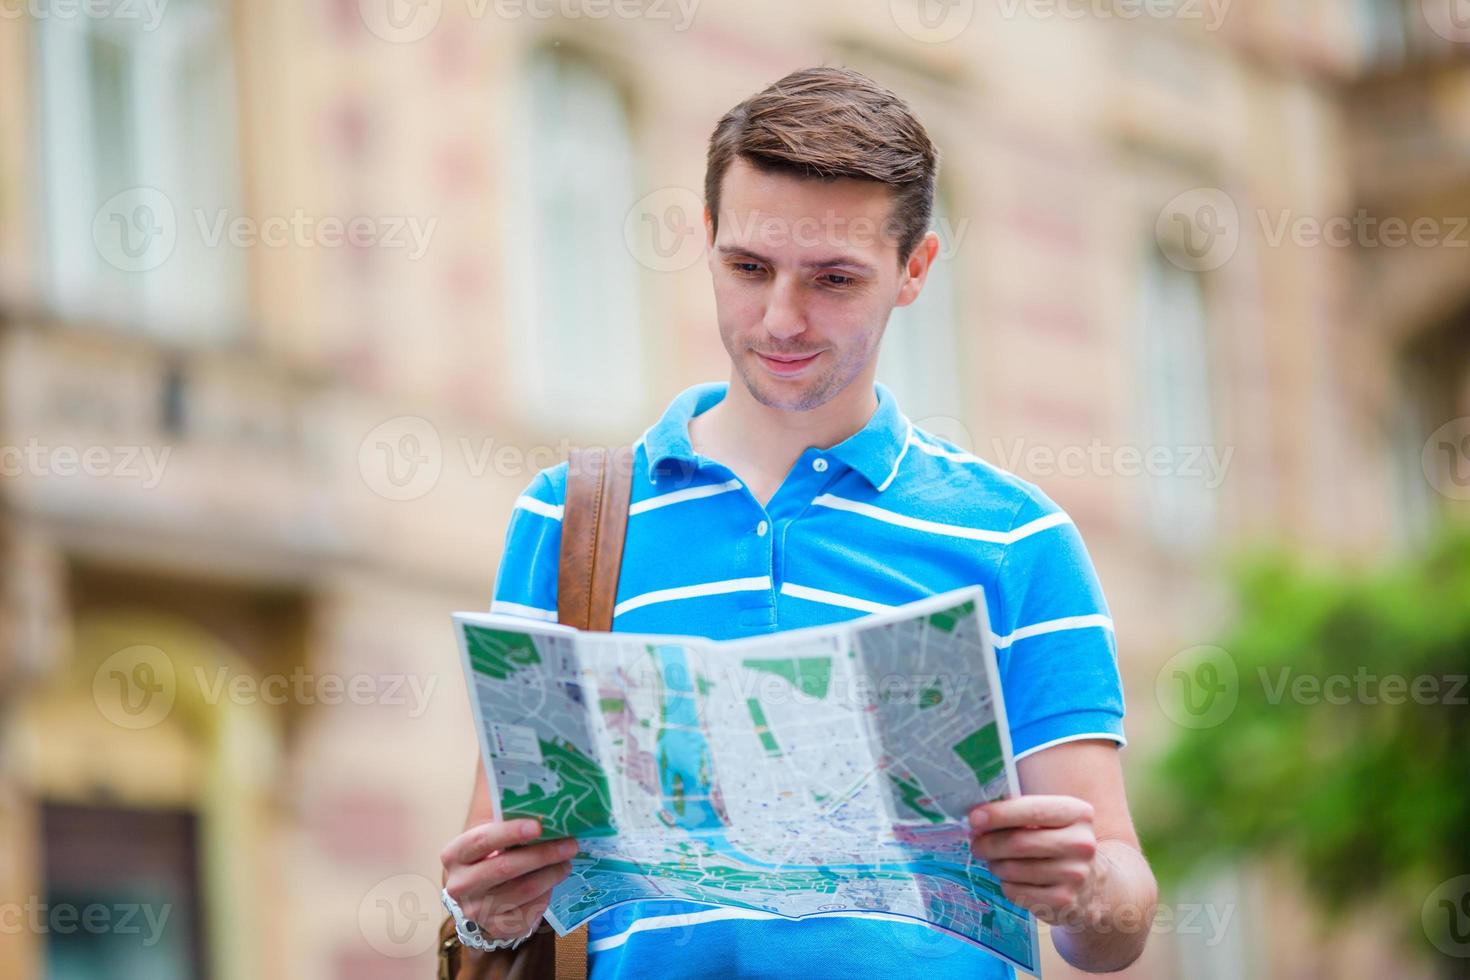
x=826, y=262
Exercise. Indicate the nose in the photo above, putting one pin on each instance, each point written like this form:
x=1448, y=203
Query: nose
x=784, y=315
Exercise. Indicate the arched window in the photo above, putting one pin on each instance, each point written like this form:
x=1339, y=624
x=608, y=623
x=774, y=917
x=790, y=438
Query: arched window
x=137, y=126
x=921, y=357
x=1177, y=403
x=575, y=321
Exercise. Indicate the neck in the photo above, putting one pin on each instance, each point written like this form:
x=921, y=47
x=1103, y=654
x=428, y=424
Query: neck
x=742, y=428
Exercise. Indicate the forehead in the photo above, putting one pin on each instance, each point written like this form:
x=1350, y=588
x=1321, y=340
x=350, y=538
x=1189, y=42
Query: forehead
x=779, y=211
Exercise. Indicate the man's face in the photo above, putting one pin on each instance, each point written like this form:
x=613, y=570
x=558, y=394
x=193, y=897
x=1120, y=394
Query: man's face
x=805, y=275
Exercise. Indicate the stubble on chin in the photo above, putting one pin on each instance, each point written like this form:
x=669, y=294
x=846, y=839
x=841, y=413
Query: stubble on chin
x=771, y=393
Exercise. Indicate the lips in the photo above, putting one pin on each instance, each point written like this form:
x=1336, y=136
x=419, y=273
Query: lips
x=788, y=365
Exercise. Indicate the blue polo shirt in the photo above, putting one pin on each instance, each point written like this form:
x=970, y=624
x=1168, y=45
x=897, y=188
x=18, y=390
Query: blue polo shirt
x=889, y=515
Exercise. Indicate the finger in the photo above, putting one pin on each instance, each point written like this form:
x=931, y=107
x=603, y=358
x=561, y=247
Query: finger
x=473, y=880
x=525, y=889
x=1041, y=874
x=482, y=839
x=1047, y=904
x=1075, y=842
x=1030, y=811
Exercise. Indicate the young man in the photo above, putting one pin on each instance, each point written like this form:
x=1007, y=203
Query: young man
x=798, y=494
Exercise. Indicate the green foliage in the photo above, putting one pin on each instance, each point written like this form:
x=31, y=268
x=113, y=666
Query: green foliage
x=1368, y=799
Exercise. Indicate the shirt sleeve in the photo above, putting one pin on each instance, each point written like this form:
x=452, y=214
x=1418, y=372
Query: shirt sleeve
x=1054, y=638
x=525, y=584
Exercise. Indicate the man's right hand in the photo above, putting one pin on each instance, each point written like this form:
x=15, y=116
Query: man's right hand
x=502, y=881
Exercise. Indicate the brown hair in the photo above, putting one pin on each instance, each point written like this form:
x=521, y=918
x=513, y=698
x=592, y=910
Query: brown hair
x=826, y=123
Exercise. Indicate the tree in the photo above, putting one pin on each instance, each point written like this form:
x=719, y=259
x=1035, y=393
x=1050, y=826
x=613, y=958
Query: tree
x=1346, y=748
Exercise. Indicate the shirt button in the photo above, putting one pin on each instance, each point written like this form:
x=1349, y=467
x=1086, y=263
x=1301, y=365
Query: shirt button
x=762, y=528
x=819, y=464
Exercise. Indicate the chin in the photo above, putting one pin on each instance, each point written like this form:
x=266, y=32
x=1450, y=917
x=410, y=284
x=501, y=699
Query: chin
x=796, y=396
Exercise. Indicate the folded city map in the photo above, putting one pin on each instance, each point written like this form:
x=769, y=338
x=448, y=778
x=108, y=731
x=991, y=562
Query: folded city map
x=816, y=771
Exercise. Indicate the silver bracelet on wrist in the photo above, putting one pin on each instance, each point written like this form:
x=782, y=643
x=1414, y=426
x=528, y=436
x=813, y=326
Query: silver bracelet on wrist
x=469, y=932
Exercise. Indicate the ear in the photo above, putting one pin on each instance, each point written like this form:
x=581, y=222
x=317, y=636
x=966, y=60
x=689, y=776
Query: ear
x=916, y=269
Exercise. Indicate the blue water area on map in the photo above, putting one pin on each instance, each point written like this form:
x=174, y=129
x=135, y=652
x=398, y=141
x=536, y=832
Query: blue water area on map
x=683, y=754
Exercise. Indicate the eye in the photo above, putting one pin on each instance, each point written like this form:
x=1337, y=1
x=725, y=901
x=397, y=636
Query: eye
x=746, y=268
x=838, y=281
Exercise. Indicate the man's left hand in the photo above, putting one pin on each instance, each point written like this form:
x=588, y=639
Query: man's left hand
x=1043, y=850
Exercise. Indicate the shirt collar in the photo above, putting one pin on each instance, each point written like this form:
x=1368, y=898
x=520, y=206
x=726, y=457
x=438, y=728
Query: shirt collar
x=874, y=450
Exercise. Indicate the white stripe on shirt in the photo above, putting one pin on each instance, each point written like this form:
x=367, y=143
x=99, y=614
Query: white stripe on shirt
x=754, y=584
x=525, y=612
x=942, y=453
x=679, y=496
x=935, y=527
x=673, y=922
x=1053, y=626
x=553, y=511
x=832, y=598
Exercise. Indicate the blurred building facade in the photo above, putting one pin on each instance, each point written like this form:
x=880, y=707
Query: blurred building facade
x=296, y=298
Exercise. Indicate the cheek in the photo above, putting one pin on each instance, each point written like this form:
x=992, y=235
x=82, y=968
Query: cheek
x=859, y=323
x=738, y=307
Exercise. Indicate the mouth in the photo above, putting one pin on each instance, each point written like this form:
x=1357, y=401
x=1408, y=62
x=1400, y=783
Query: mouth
x=787, y=366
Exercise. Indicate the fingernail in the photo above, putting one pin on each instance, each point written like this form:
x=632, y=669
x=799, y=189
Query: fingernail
x=979, y=818
x=568, y=848
x=530, y=828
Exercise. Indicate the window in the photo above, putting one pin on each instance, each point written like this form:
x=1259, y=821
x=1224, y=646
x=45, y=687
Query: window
x=1381, y=23
x=575, y=322
x=153, y=880
x=1429, y=428
x=1177, y=392
x=1413, y=499
x=921, y=359
x=138, y=156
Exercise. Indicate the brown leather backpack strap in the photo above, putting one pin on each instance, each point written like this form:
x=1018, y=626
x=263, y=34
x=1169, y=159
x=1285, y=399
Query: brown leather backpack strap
x=593, y=525
x=571, y=955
